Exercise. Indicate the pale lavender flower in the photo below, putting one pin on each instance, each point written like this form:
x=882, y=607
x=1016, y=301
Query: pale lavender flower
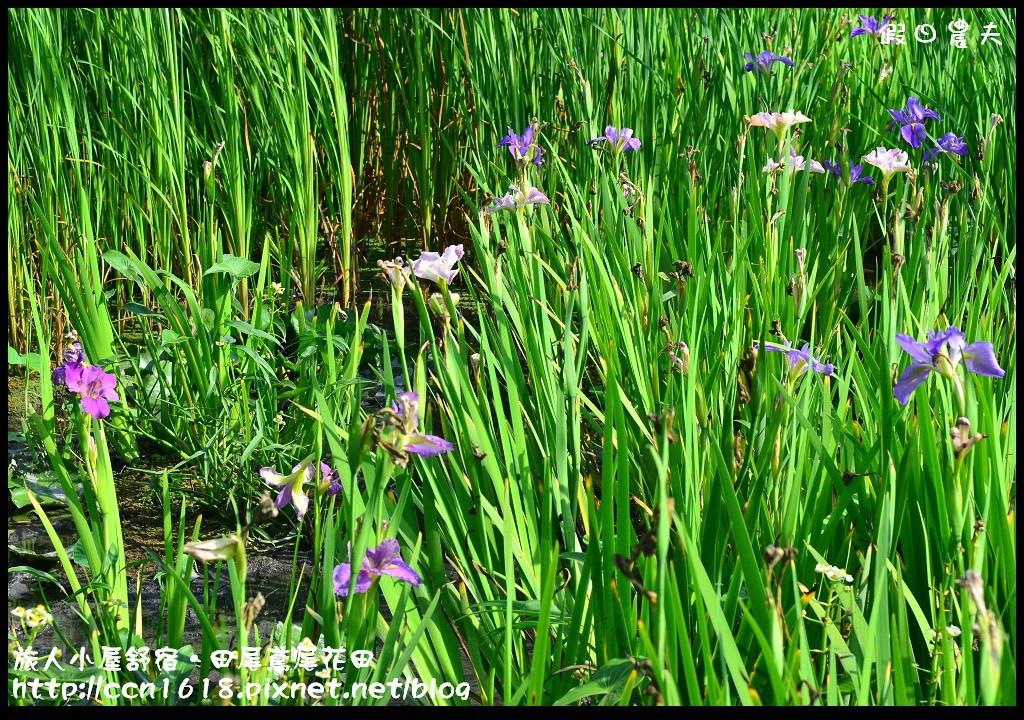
x=889, y=162
x=398, y=274
x=385, y=559
x=681, y=361
x=942, y=353
x=222, y=548
x=94, y=386
x=796, y=163
x=291, y=485
x=413, y=441
x=516, y=198
x=437, y=268
x=617, y=140
x=778, y=123
x=800, y=360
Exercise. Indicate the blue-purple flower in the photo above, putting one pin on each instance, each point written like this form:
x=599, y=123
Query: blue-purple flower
x=73, y=357
x=617, y=140
x=800, y=360
x=291, y=485
x=870, y=26
x=856, y=172
x=948, y=143
x=911, y=121
x=523, y=146
x=406, y=408
x=762, y=62
x=385, y=559
x=942, y=353
x=94, y=386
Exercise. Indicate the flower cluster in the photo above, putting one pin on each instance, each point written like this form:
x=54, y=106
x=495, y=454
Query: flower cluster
x=94, y=386
x=833, y=573
x=911, y=122
x=36, y=617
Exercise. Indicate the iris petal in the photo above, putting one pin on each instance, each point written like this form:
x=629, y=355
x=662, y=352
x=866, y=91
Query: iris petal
x=271, y=477
x=917, y=350
x=301, y=503
x=97, y=407
x=980, y=359
x=386, y=552
x=911, y=379
x=427, y=445
x=343, y=578
x=914, y=133
x=398, y=568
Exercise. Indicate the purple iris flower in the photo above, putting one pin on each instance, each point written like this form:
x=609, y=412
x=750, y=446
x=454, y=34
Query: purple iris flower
x=416, y=442
x=95, y=387
x=617, y=140
x=762, y=62
x=911, y=121
x=330, y=480
x=73, y=357
x=291, y=485
x=385, y=559
x=948, y=143
x=523, y=146
x=856, y=172
x=942, y=353
x=870, y=26
x=800, y=360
